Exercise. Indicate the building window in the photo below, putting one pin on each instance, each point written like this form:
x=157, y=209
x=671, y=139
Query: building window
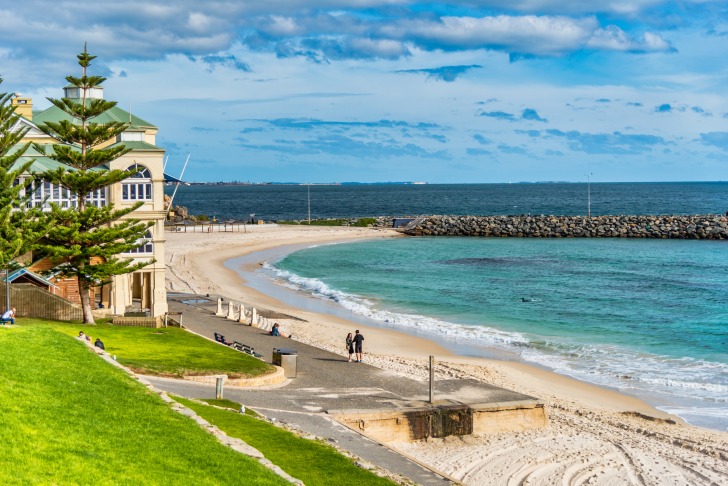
x=139, y=186
x=131, y=136
x=43, y=193
x=146, y=246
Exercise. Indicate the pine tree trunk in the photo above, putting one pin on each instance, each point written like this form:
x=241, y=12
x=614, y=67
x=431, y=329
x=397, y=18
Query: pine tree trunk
x=84, y=290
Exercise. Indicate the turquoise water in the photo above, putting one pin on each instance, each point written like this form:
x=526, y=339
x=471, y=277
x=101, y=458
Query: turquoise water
x=648, y=317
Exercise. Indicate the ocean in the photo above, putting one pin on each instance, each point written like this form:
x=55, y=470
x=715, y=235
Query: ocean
x=291, y=202
x=646, y=317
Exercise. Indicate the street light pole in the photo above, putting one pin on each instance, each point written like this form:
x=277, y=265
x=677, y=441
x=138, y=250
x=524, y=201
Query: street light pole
x=308, y=195
x=588, y=194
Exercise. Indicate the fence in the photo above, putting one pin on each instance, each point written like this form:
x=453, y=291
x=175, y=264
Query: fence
x=137, y=321
x=32, y=301
x=224, y=227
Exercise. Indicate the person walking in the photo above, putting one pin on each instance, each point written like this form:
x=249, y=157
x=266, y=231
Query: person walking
x=350, y=345
x=358, y=339
x=9, y=316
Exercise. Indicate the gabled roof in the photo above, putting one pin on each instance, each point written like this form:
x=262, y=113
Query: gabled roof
x=34, y=276
x=42, y=163
x=33, y=131
x=115, y=114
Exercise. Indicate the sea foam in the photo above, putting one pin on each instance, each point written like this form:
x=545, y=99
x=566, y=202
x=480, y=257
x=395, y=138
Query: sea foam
x=605, y=365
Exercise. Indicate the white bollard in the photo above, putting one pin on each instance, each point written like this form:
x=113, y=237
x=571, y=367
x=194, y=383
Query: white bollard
x=219, y=307
x=254, y=318
x=241, y=318
x=231, y=311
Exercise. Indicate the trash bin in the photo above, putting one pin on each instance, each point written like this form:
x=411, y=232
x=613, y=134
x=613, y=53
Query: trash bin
x=286, y=359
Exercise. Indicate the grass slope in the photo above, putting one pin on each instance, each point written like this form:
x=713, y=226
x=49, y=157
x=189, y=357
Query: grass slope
x=67, y=417
x=169, y=351
x=310, y=461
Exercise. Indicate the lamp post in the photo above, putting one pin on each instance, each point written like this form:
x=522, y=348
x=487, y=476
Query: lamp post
x=308, y=196
x=588, y=194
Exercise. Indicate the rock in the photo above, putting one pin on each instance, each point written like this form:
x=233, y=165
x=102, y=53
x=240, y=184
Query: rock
x=681, y=227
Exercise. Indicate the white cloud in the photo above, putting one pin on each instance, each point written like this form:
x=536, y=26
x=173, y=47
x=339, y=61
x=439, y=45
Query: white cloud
x=200, y=22
x=380, y=48
x=628, y=8
x=615, y=39
x=283, y=26
x=536, y=35
x=654, y=42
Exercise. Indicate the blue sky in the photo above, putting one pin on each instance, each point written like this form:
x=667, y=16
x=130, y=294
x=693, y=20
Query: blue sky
x=396, y=90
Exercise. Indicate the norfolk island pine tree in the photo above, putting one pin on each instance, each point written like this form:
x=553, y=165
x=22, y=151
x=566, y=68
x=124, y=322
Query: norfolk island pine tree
x=20, y=226
x=87, y=240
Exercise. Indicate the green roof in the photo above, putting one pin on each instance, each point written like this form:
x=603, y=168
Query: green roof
x=115, y=114
x=138, y=145
x=41, y=163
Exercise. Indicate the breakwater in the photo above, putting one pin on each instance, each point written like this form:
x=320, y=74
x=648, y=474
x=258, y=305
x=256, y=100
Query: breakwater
x=699, y=227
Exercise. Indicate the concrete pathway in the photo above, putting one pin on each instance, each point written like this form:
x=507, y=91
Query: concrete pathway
x=324, y=381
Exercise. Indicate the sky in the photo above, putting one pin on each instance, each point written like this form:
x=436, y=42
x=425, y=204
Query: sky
x=475, y=91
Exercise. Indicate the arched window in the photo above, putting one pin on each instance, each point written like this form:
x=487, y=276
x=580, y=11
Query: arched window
x=146, y=246
x=139, y=186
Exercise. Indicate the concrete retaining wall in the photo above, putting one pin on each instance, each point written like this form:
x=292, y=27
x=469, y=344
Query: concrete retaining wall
x=442, y=421
x=274, y=378
x=705, y=227
x=492, y=418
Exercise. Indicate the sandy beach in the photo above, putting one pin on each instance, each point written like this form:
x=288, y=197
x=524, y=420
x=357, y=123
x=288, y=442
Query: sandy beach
x=595, y=435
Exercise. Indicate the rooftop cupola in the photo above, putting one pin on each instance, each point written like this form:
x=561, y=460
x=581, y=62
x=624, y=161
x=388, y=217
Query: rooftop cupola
x=23, y=106
x=74, y=93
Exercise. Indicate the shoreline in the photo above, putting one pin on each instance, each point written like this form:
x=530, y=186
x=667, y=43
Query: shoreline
x=235, y=285
x=200, y=263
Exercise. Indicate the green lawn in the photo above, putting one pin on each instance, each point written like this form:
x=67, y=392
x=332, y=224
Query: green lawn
x=168, y=351
x=68, y=417
x=310, y=461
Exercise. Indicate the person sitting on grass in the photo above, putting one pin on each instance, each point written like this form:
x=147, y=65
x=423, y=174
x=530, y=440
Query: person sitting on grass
x=83, y=335
x=99, y=344
x=9, y=316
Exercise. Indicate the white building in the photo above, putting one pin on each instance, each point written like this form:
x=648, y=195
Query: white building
x=140, y=291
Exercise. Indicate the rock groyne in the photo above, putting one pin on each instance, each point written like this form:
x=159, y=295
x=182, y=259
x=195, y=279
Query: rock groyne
x=699, y=227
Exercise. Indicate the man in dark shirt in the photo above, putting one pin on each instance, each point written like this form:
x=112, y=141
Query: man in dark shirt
x=99, y=344
x=358, y=338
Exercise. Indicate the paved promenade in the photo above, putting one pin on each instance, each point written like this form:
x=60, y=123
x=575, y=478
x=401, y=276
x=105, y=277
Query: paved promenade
x=325, y=381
